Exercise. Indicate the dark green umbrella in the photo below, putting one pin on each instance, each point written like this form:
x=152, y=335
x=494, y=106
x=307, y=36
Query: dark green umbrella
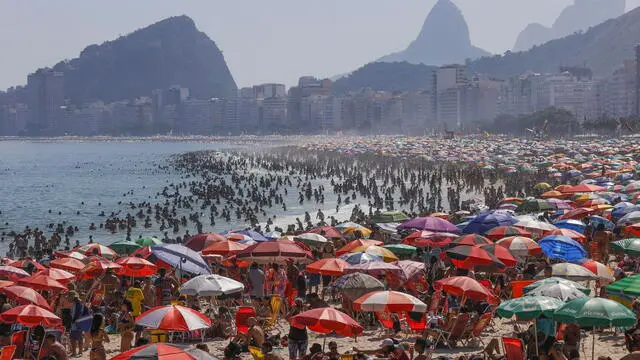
x=627, y=286
x=124, y=247
x=534, y=205
x=401, y=249
x=390, y=216
x=628, y=246
x=148, y=241
x=529, y=307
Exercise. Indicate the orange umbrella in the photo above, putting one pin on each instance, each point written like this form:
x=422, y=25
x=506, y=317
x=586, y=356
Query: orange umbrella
x=583, y=188
x=58, y=274
x=356, y=244
x=99, y=267
x=224, y=248
x=31, y=315
x=22, y=263
x=25, y=295
x=329, y=267
x=136, y=267
x=42, y=282
x=68, y=264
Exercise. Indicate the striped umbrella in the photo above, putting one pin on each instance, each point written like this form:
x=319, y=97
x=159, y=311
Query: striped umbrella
x=355, y=244
x=42, y=282
x=162, y=351
x=173, y=318
x=520, y=246
x=97, y=249
x=555, y=280
x=569, y=271
x=327, y=320
x=470, y=257
x=570, y=234
x=329, y=267
x=601, y=270
x=60, y=275
x=12, y=272
x=388, y=301
x=465, y=286
x=471, y=240
x=560, y=291
x=375, y=268
x=224, y=248
x=386, y=254
x=505, y=231
x=628, y=246
x=503, y=254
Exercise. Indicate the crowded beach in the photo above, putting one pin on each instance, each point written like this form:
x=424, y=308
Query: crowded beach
x=468, y=248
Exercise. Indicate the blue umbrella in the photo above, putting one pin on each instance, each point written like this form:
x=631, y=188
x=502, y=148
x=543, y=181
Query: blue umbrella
x=571, y=224
x=273, y=235
x=360, y=258
x=596, y=220
x=489, y=220
x=181, y=257
x=252, y=234
x=562, y=247
x=620, y=211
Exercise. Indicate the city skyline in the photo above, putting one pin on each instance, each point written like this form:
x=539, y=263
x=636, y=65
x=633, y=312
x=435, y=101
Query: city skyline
x=349, y=38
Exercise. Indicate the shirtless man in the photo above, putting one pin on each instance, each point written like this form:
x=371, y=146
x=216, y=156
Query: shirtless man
x=109, y=283
x=254, y=336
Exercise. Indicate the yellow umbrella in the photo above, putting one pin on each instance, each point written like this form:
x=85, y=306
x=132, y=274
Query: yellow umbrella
x=542, y=186
x=385, y=254
x=363, y=231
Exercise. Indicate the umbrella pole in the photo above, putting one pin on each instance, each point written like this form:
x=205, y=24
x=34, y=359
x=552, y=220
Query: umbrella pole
x=535, y=335
x=324, y=341
x=593, y=344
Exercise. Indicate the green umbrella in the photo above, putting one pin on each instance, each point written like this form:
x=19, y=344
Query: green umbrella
x=628, y=246
x=124, y=247
x=627, y=286
x=389, y=216
x=534, y=205
x=556, y=280
x=529, y=307
x=148, y=241
x=595, y=312
x=401, y=249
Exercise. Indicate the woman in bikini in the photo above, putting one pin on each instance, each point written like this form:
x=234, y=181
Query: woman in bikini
x=98, y=335
x=125, y=326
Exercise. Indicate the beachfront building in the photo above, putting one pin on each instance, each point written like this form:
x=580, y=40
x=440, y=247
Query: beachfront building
x=197, y=117
x=13, y=119
x=618, y=94
x=449, y=83
x=45, y=90
x=571, y=90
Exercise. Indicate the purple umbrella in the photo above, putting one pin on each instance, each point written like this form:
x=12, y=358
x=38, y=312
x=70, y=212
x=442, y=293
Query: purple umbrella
x=560, y=204
x=429, y=223
x=373, y=268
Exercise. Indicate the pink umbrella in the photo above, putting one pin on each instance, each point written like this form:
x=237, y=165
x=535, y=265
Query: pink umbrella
x=373, y=268
x=429, y=223
x=25, y=295
x=411, y=269
x=173, y=318
x=57, y=274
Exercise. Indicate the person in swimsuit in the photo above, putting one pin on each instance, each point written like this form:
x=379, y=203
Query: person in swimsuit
x=98, y=336
x=125, y=326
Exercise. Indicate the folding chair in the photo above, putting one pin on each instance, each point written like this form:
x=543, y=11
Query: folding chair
x=19, y=339
x=243, y=314
x=478, y=328
x=347, y=356
x=417, y=326
x=386, y=320
x=457, y=330
x=272, y=320
x=7, y=352
x=513, y=348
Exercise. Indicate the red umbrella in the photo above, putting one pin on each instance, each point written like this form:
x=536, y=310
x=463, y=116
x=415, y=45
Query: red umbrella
x=465, y=286
x=520, y=245
x=173, y=318
x=31, y=315
x=434, y=240
x=583, y=188
x=355, y=244
x=327, y=231
x=391, y=301
x=420, y=234
x=4, y=283
x=42, y=282
x=60, y=275
x=569, y=233
x=633, y=229
x=159, y=351
x=25, y=295
x=578, y=214
x=223, y=248
x=471, y=240
x=329, y=267
x=72, y=254
x=201, y=241
x=97, y=268
x=136, y=267
x=278, y=251
x=500, y=232
x=470, y=257
x=22, y=263
x=12, y=272
x=502, y=253
x=68, y=264
x=146, y=253
x=327, y=320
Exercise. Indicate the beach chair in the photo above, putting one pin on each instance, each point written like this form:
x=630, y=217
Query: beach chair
x=272, y=321
x=19, y=339
x=478, y=328
x=256, y=353
x=452, y=336
x=386, y=320
x=417, y=326
x=7, y=352
x=347, y=356
x=513, y=348
x=243, y=314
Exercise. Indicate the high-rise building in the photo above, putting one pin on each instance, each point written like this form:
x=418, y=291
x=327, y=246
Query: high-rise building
x=619, y=92
x=567, y=90
x=13, y=119
x=417, y=107
x=46, y=97
x=198, y=117
x=449, y=90
x=483, y=99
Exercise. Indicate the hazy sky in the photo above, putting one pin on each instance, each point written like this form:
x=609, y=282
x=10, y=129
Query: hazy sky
x=262, y=40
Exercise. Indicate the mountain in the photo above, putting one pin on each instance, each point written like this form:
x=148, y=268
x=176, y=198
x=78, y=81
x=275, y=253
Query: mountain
x=443, y=39
x=579, y=16
x=170, y=52
x=382, y=76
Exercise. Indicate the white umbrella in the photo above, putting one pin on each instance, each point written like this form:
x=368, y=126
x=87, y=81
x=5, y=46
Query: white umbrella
x=560, y=291
x=534, y=226
x=569, y=271
x=312, y=238
x=211, y=285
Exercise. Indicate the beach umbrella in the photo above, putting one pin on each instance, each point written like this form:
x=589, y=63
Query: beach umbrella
x=471, y=240
x=435, y=240
x=60, y=275
x=211, y=285
x=578, y=214
x=520, y=246
x=552, y=194
x=350, y=228
x=466, y=287
x=42, y=282
x=489, y=220
x=604, y=273
x=375, y=268
x=562, y=204
x=629, y=219
x=411, y=269
x=360, y=258
x=355, y=244
x=535, y=226
x=571, y=224
x=529, y=307
x=388, y=301
x=68, y=264
x=25, y=295
x=570, y=234
x=97, y=249
x=312, y=239
x=252, y=234
x=627, y=286
x=124, y=247
x=5, y=283
x=163, y=351
x=201, y=241
x=379, y=251
x=181, y=257
x=560, y=291
x=12, y=272
x=98, y=267
x=25, y=263
x=501, y=253
x=505, y=231
x=562, y=247
x=628, y=246
x=555, y=280
x=389, y=217
x=328, y=266
x=583, y=188
x=173, y=318
x=401, y=249
x=469, y=257
x=272, y=235
x=327, y=320
x=148, y=241
x=275, y=252
x=224, y=248
x=327, y=231
x=429, y=223
x=136, y=267
x=534, y=205
x=570, y=271
x=542, y=186
x=31, y=315
x=357, y=284
x=633, y=229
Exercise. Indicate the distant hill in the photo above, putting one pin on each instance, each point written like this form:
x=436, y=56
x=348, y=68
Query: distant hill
x=382, y=76
x=578, y=16
x=170, y=52
x=443, y=39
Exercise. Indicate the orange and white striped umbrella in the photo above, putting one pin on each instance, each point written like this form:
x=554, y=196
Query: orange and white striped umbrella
x=327, y=320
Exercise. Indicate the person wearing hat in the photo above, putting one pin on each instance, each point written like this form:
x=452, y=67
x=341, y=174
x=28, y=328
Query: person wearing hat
x=385, y=349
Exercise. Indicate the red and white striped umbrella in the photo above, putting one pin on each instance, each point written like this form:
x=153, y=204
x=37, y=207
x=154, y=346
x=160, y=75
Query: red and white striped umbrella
x=173, y=318
x=390, y=301
x=68, y=264
x=22, y=264
x=60, y=275
x=25, y=295
x=97, y=249
x=12, y=272
x=601, y=270
x=520, y=246
x=327, y=320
